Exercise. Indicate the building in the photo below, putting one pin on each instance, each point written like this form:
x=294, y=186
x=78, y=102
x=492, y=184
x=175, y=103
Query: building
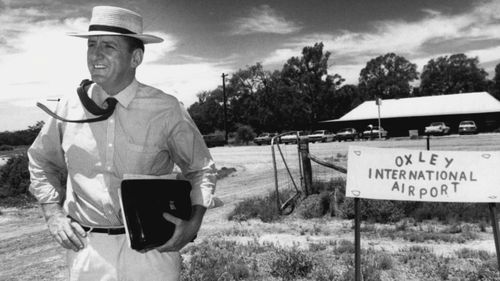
x=399, y=116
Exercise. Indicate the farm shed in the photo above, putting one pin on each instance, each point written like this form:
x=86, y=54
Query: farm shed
x=398, y=116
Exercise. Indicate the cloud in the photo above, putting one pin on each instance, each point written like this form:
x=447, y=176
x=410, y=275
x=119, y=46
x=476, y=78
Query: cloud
x=183, y=81
x=264, y=19
x=38, y=59
x=282, y=55
x=411, y=39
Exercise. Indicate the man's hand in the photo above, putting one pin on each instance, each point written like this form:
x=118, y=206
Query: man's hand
x=185, y=231
x=66, y=232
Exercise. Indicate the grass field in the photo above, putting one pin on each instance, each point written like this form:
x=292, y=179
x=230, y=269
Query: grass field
x=314, y=249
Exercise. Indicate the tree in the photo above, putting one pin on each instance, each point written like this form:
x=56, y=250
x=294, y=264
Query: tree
x=452, y=75
x=494, y=87
x=21, y=137
x=245, y=134
x=208, y=111
x=308, y=78
x=244, y=90
x=249, y=80
x=346, y=98
x=293, y=98
x=387, y=76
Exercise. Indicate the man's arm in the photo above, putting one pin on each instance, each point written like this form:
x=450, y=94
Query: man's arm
x=66, y=232
x=47, y=172
x=190, y=153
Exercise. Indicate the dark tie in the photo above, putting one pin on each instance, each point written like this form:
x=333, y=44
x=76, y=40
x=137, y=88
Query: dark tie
x=89, y=105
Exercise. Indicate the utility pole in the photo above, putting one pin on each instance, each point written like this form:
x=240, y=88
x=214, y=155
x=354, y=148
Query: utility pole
x=378, y=101
x=225, y=107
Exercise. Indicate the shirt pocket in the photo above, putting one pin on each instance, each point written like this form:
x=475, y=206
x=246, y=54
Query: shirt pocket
x=142, y=159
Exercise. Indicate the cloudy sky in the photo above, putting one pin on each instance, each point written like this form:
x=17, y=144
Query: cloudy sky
x=205, y=38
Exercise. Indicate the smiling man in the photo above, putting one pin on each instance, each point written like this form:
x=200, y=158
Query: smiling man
x=78, y=160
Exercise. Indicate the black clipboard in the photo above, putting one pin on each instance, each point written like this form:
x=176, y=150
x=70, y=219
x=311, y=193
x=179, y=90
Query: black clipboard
x=143, y=202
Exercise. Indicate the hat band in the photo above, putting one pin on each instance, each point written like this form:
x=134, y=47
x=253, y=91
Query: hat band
x=99, y=27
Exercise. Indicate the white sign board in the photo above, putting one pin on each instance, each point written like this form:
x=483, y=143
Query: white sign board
x=420, y=175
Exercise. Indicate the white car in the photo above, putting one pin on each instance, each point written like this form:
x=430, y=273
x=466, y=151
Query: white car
x=467, y=127
x=321, y=136
x=373, y=133
x=292, y=137
x=264, y=138
x=437, y=128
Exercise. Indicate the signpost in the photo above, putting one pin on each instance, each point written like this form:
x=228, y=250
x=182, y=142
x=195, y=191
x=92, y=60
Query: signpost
x=378, y=101
x=420, y=175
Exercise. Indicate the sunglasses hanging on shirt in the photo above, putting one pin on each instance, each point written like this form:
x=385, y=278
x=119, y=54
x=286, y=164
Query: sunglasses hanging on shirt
x=89, y=105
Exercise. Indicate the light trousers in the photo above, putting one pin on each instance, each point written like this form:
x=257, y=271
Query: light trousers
x=109, y=258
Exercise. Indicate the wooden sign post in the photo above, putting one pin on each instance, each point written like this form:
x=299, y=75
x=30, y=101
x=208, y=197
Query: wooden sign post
x=420, y=175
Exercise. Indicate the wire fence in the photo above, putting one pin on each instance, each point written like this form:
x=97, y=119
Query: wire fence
x=291, y=176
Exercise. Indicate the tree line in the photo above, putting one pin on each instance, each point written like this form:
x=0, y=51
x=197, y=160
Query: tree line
x=303, y=92
x=20, y=137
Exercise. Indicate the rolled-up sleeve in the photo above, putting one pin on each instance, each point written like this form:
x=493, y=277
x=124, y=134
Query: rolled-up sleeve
x=190, y=153
x=47, y=166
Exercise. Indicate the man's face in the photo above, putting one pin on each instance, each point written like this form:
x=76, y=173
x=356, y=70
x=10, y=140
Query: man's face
x=110, y=62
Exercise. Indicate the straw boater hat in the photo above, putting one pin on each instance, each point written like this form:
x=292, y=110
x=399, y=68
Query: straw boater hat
x=108, y=20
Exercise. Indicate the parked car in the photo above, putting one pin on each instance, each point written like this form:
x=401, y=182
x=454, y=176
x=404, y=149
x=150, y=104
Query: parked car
x=321, y=136
x=437, y=128
x=373, y=132
x=214, y=140
x=264, y=138
x=467, y=127
x=292, y=137
x=346, y=134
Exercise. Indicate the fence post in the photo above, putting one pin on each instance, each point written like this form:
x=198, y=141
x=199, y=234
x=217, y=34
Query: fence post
x=494, y=224
x=357, y=241
x=306, y=165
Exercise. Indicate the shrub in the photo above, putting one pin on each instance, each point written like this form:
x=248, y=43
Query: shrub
x=385, y=262
x=450, y=212
x=215, y=139
x=332, y=194
x=225, y=172
x=344, y=246
x=215, y=260
x=323, y=273
x=291, y=264
x=466, y=253
x=382, y=211
x=244, y=134
x=314, y=206
x=264, y=208
x=487, y=271
x=14, y=177
x=5, y=147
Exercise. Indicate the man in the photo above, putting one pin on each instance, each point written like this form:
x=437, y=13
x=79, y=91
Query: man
x=76, y=168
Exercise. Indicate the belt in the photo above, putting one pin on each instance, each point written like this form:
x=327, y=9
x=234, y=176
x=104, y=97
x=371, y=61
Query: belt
x=109, y=231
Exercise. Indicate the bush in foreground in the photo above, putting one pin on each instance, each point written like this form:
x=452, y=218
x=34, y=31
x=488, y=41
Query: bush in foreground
x=214, y=260
x=263, y=208
x=291, y=264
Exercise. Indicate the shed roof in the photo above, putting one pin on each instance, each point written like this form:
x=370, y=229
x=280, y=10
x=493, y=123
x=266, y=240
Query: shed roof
x=466, y=103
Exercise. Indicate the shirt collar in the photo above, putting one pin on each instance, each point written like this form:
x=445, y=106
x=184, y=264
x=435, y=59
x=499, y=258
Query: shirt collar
x=127, y=95
x=124, y=97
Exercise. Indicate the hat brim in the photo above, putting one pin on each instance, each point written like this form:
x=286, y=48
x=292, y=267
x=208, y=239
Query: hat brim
x=145, y=38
